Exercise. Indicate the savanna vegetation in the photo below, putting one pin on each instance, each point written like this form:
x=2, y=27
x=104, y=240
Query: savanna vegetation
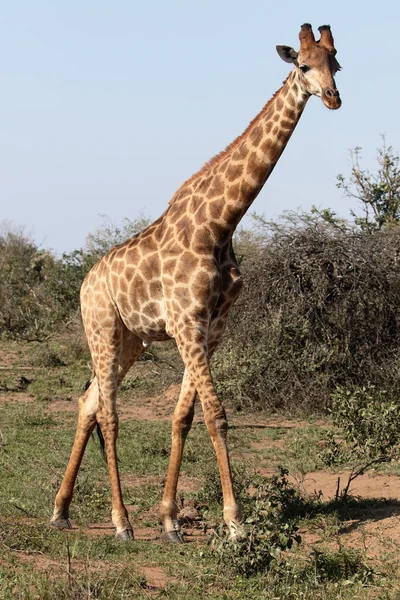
x=308, y=370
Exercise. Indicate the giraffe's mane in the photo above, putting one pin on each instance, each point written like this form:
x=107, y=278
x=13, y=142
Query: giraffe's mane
x=230, y=148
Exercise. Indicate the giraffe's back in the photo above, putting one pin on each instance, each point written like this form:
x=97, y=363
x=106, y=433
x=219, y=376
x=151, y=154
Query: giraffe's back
x=130, y=277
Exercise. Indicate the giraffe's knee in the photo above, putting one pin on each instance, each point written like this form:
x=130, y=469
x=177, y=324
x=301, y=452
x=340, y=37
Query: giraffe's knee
x=109, y=419
x=216, y=423
x=108, y=422
x=182, y=422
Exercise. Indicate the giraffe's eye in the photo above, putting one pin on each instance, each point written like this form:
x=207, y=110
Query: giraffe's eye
x=304, y=68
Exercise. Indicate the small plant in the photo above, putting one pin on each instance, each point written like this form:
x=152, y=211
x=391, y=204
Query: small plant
x=156, y=445
x=35, y=417
x=93, y=498
x=76, y=349
x=48, y=357
x=267, y=530
x=334, y=453
x=369, y=418
x=344, y=564
x=151, y=355
x=302, y=450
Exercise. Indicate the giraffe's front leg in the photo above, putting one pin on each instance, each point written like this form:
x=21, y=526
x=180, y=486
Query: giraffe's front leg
x=108, y=421
x=193, y=350
x=181, y=423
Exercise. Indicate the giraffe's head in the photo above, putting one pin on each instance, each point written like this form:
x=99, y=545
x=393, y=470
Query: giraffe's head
x=316, y=64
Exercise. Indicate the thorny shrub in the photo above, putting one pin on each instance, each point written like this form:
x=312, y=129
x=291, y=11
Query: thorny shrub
x=320, y=308
x=39, y=292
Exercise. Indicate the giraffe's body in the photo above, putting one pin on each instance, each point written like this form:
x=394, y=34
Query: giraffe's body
x=178, y=279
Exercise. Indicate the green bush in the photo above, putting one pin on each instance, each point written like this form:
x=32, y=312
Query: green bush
x=26, y=308
x=334, y=453
x=320, y=308
x=369, y=418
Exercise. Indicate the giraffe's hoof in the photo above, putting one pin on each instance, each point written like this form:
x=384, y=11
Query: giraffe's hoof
x=125, y=535
x=237, y=532
x=61, y=524
x=173, y=537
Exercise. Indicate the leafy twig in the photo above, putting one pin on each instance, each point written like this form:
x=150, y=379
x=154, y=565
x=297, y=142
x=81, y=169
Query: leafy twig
x=360, y=471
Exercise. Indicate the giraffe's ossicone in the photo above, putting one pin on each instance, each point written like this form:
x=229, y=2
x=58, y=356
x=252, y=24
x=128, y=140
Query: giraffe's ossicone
x=178, y=279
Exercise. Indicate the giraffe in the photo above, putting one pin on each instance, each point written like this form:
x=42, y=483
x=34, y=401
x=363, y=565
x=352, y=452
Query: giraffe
x=178, y=279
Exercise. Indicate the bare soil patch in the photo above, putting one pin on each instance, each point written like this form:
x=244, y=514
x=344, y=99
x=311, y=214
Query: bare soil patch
x=8, y=357
x=267, y=443
x=156, y=576
x=376, y=529
x=159, y=408
x=369, y=485
x=67, y=403
x=11, y=397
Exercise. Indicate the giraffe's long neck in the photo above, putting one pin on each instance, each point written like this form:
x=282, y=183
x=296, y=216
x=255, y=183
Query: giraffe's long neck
x=257, y=153
x=229, y=183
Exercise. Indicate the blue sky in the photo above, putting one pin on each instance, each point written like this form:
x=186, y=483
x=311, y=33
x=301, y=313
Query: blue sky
x=106, y=107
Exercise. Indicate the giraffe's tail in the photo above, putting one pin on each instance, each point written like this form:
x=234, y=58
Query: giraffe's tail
x=98, y=429
x=101, y=440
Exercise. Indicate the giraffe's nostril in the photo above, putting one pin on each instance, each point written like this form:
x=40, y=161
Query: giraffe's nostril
x=331, y=93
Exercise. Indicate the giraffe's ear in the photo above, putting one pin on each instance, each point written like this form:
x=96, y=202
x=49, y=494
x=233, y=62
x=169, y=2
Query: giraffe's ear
x=287, y=54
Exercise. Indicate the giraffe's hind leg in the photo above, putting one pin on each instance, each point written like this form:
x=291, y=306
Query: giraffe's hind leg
x=107, y=418
x=88, y=405
x=87, y=418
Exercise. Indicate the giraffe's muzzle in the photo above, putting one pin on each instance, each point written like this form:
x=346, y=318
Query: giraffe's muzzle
x=331, y=98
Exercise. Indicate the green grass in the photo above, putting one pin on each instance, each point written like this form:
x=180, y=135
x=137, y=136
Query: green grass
x=39, y=562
